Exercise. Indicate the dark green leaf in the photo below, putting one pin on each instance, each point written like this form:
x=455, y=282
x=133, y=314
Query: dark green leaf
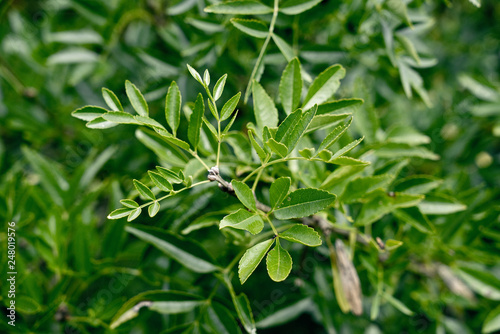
x=129, y=203
x=244, y=194
x=279, y=190
x=265, y=111
x=170, y=175
x=195, y=122
x=260, y=152
x=290, y=88
x=160, y=181
x=334, y=136
x=144, y=191
x=278, y=148
x=302, y=234
x=303, y=203
x=324, y=86
x=173, y=107
x=253, y=28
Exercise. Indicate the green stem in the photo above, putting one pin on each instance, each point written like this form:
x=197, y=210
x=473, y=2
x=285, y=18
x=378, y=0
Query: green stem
x=263, y=49
x=272, y=225
x=258, y=169
x=219, y=140
x=196, y=156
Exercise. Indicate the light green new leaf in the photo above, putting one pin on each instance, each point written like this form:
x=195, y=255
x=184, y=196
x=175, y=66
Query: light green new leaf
x=134, y=214
x=88, y=113
x=185, y=251
x=120, y=213
x=492, y=322
x=290, y=87
x=206, y=78
x=219, y=87
x=324, y=86
x=278, y=190
x=144, y=191
x=229, y=107
x=294, y=7
x=196, y=121
x=265, y=111
x=120, y=117
x=278, y=263
x=243, y=220
x=239, y=8
x=251, y=259
x=253, y=28
x=303, y=203
x=173, y=107
x=153, y=209
x=260, y=151
x=302, y=234
x=307, y=153
x=334, y=136
x=164, y=302
x=278, y=148
x=111, y=100
x=160, y=181
x=136, y=99
x=195, y=74
x=244, y=194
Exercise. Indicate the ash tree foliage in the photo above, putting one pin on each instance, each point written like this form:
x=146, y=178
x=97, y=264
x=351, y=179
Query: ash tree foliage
x=296, y=166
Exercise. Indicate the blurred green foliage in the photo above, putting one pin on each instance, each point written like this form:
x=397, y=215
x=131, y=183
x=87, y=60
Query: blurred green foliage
x=428, y=72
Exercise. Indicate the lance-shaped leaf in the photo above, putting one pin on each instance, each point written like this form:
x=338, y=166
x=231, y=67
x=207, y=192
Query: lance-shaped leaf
x=279, y=263
x=136, y=99
x=120, y=117
x=278, y=190
x=134, y=214
x=243, y=220
x=206, y=78
x=195, y=74
x=152, y=124
x=251, y=259
x=120, y=213
x=219, y=87
x=349, y=278
x=239, y=8
x=244, y=194
x=88, y=113
x=302, y=234
x=143, y=190
x=229, y=124
x=334, y=136
x=196, y=121
x=492, y=322
x=242, y=306
x=291, y=138
x=170, y=175
x=185, y=251
x=324, y=86
x=290, y=88
x=265, y=111
x=294, y=7
x=347, y=148
x=153, y=209
x=221, y=320
x=287, y=126
x=160, y=181
x=173, y=107
x=253, y=28
x=164, y=302
x=111, y=100
x=229, y=107
x=260, y=151
x=339, y=106
x=129, y=203
x=278, y=148
x=303, y=203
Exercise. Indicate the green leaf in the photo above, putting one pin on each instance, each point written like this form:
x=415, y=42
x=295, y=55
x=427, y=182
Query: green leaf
x=195, y=74
x=292, y=137
x=294, y=7
x=195, y=121
x=290, y=87
x=219, y=87
x=415, y=218
x=303, y=203
x=120, y=213
x=286, y=127
x=239, y=8
x=278, y=148
x=27, y=305
x=213, y=109
x=129, y=203
x=324, y=86
x=144, y=191
x=278, y=263
x=111, y=100
x=244, y=194
x=307, y=153
x=285, y=48
x=286, y=314
x=397, y=304
x=265, y=111
x=229, y=107
x=134, y=214
x=253, y=28
x=153, y=209
x=482, y=282
x=302, y=234
x=348, y=161
x=417, y=184
x=136, y=99
x=492, y=321
x=278, y=190
x=161, y=182
x=221, y=320
x=359, y=188
x=399, y=8
x=230, y=124
x=242, y=306
x=159, y=128
x=392, y=244
x=440, y=205
x=260, y=151
x=120, y=117
x=334, y=136
x=164, y=147
x=347, y=148
x=339, y=106
x=88, y=113
x=164, y=302
x=173, y=107
x=251, y=259
x=243, y=220
x=393, y=150
x=170, y=175
x=206, y=78
x=185, y=251
x=100, y=123
x=327, y=120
